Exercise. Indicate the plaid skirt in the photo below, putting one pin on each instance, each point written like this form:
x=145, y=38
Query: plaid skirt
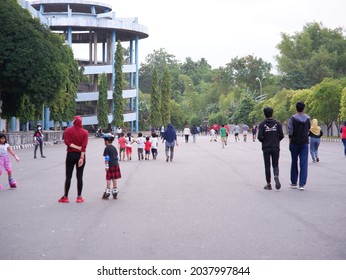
x=113, y=173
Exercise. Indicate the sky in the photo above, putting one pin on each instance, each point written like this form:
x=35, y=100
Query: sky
x=219, y=30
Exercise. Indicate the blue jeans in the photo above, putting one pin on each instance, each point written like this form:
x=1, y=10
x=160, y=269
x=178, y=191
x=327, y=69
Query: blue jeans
x=302, y=152
x=314, y=144
x=344, y=142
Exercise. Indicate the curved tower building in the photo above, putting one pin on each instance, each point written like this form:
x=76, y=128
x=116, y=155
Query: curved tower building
x=92, y=30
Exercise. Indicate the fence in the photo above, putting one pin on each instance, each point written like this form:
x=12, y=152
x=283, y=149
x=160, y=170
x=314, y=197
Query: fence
x=21, y=139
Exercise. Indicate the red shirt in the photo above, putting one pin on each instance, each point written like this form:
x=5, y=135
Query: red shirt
x=147, y=146
x=343, y=132
x=122, y=143
x=215, y=127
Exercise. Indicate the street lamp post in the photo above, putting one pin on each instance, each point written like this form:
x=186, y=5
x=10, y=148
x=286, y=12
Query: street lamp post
x=259, y=80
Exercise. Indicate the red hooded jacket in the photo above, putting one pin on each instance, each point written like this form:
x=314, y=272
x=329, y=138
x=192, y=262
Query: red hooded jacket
x=76, y=135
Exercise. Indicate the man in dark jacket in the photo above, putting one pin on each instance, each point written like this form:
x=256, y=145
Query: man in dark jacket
x=298, y=131
x=270, y=134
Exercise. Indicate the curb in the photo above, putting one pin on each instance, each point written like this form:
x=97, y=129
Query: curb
x=25, y=146
x=331, y=139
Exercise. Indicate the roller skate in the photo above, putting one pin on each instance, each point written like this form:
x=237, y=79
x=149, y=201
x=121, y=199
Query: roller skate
x=12, y=183
x=106, y=194
x=115, y=193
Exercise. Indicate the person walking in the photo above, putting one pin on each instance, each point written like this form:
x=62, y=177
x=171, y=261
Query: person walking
x=140, y=145
x=76, y=141
x=129, y=141
x=223, y=133
x=343, y=136
x=147, y=147
x=162, y=131
x=112, y=168
x=38, y=140
x=121, y=146
x=186, y=133
x=270, y=134
x=212, y=133
x=194, y=132
x=298, y=127
x=254, y=132
x=154, y=145
x=245, y=129
x=315, y=139
x=236, y=131
x=5, y=162
x=170, y=136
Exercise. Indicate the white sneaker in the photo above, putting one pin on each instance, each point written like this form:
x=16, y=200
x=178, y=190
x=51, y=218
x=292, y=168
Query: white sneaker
x=294, y=186
x=301, y=188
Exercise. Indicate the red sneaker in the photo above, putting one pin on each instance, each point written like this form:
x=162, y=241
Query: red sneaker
x=64, y=199
x=79, y=199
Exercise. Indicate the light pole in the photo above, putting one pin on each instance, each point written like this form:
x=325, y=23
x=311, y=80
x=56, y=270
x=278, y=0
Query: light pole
x=259, y=80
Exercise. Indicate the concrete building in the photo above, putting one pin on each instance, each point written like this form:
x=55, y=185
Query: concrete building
x=92, y=30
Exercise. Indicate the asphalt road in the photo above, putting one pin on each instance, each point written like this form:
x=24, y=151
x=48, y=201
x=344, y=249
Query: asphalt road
x=208, y=204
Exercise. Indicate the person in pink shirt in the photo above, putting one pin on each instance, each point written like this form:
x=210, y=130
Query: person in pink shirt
x=122, y=146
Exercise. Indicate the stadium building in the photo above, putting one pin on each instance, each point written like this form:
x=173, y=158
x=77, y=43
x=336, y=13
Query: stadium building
x=92, y=30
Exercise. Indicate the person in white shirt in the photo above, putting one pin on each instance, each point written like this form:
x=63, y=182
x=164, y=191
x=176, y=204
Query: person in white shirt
x=129, y=141
x=162, y=131
x=186, y=133
x=140, y=148
x=154, y=145
x=212, y=135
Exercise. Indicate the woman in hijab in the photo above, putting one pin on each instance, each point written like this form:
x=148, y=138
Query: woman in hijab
x=315, y=139
x=170, y=136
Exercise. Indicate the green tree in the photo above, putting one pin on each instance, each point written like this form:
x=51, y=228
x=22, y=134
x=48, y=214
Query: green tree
x=159, y=59
x=27, y=109
x=63, y=106
x=102, y=104
x=31, y=59
x=144, y=110
x=218, y=118
x=343, y=105
x=242, y=113
x=324, y=102
x=178, y=116
x=198, y=71
x=309, y=56
x=257, y=115
x=118, y=100
x=301, y=95
x=244, y=71
x=166, y=89
x=155, y=101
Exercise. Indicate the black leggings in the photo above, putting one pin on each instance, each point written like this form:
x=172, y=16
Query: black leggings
x=72, y=161
x=36, y=146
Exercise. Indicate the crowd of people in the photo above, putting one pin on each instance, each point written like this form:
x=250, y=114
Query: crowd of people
x=304, y=136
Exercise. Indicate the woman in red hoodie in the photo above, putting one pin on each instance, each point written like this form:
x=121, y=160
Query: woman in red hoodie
x=76, y=140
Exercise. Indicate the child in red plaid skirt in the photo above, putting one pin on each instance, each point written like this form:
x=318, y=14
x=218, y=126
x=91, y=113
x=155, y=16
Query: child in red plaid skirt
x=112, y=167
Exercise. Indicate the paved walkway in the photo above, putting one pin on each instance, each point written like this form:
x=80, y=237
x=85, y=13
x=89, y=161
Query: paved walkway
x=209, y=203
